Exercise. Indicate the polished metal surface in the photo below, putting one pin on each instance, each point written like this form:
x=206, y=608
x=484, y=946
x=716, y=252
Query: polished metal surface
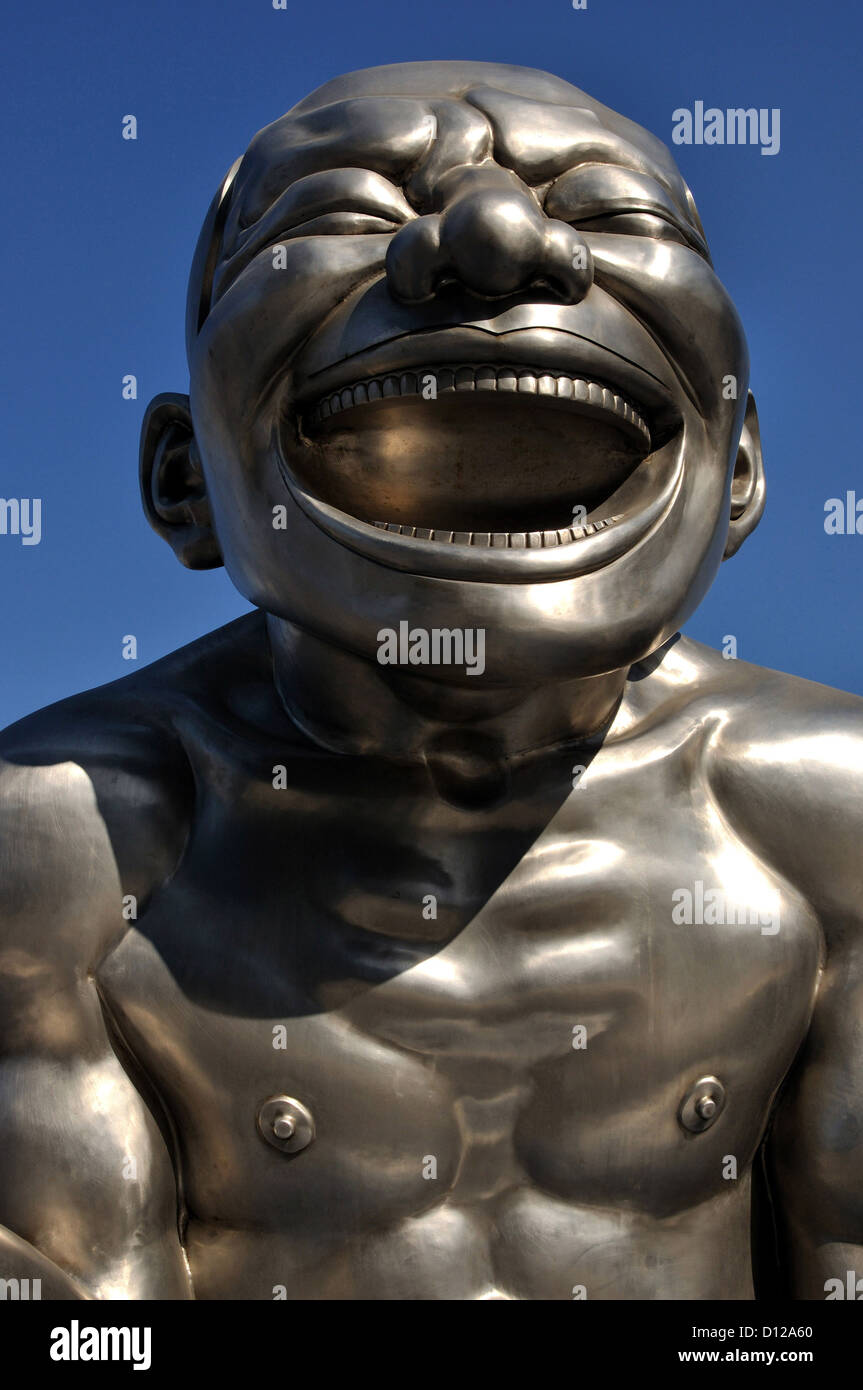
x=549, y=917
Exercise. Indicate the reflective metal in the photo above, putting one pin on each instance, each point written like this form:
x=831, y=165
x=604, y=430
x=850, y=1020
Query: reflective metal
x=464, y=387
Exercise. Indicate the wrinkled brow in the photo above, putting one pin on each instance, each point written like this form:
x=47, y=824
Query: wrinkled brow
x=539, y=141
x=412, y=142
x=388, y=137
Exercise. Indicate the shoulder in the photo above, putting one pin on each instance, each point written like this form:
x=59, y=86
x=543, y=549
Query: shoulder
x=783, y=758
x=139, y=724
x=97, y=792
x=754, y=718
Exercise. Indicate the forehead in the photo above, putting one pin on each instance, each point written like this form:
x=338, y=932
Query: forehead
x=410, y=121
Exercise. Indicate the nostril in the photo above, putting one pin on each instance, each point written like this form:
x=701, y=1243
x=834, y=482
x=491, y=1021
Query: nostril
x=550, y=287
x=568, y=263
x=413, y=262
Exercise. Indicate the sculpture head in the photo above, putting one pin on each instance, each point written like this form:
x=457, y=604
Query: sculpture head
x=458, y=356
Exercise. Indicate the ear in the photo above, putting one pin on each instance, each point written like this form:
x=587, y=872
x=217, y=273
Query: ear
x=173, y=489
x=747, y=486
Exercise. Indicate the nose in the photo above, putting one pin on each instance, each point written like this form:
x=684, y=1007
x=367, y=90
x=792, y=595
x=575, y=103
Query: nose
x=492, y=238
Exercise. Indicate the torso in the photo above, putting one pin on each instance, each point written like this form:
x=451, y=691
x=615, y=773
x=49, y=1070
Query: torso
x=464, y=1148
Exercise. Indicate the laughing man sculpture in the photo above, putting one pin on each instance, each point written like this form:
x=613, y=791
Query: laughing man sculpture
x=338, y=967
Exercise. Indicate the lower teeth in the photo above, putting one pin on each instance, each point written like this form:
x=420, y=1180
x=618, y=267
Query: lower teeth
x=500, y=540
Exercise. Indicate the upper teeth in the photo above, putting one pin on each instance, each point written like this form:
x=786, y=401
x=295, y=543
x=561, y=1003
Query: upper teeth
x=518, y=379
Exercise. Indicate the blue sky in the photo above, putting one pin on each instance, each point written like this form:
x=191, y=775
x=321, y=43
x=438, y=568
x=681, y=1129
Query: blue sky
x=99, y=232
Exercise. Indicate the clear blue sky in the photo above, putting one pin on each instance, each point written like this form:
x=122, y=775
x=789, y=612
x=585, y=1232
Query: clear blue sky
x=98, y=236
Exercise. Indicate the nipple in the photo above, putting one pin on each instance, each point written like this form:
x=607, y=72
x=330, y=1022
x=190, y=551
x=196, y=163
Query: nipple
x=702, y=1105
x=286, y=1124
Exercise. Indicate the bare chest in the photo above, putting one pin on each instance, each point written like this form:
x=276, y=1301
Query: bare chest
x=463, y=1004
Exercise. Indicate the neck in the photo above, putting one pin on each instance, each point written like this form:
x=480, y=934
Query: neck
x=352, y=705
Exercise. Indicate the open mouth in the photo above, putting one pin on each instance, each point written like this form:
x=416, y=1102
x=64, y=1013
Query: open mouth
x=493, y=472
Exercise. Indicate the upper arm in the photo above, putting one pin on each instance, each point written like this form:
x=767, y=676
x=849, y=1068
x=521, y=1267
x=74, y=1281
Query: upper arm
x=85, y=1175
x=795, y=777
x=815, y=1155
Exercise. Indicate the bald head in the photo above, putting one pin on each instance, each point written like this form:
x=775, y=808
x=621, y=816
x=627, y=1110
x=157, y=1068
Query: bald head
x=447, y=78
x=457, y=78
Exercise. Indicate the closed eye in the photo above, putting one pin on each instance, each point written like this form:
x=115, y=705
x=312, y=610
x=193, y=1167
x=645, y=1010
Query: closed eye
x=637, y=222
x=343, y=223
x=330, y=202
x=622, y=201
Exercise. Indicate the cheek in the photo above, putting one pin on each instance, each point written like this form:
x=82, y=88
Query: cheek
x=239, y=363
x=677, y=296
x=243, y=487
x=251, y=334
